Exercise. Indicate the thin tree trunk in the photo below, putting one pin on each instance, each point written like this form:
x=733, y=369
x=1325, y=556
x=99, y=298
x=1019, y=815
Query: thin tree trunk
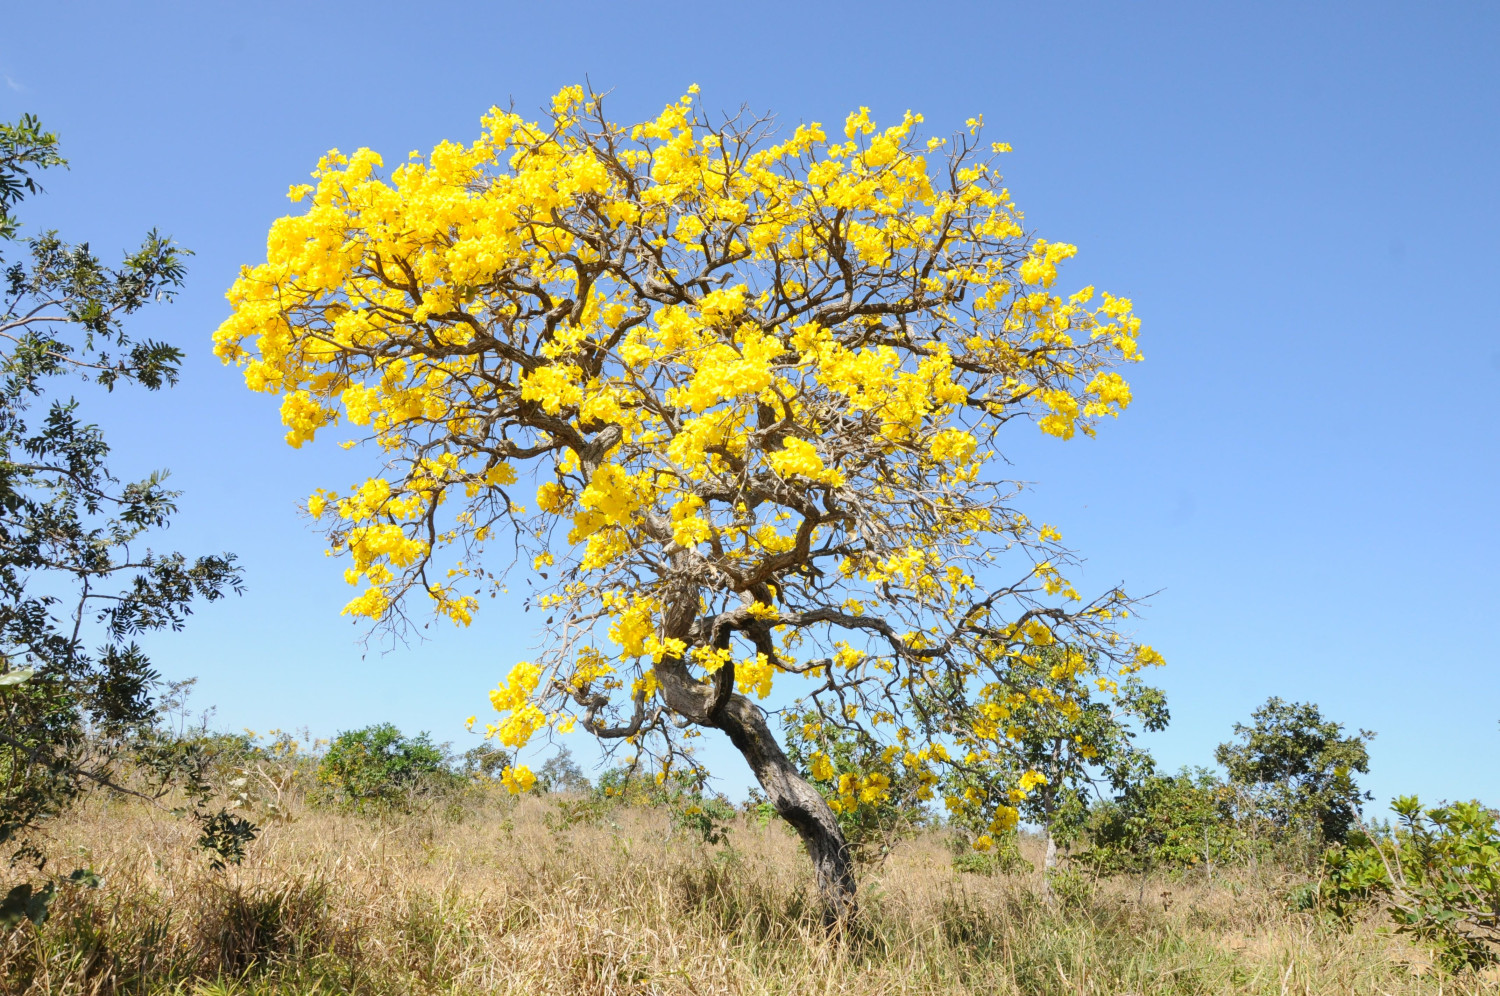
x=1048, y=864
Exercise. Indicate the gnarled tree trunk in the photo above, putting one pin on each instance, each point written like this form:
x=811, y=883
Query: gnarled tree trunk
x=799, y=804
x=716, y=705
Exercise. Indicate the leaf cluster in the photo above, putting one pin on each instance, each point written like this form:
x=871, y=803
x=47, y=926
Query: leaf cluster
x=78, y=580
x=1436, y=873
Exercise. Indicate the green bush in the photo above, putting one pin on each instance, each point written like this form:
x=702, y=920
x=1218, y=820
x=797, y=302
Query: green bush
x=379, y=767
x=1003, y=858
x=1166, y=822
x=1436, y=873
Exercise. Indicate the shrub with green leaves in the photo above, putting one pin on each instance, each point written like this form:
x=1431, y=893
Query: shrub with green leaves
x=1165, y=822
x=1436, y=873
x=379, y=767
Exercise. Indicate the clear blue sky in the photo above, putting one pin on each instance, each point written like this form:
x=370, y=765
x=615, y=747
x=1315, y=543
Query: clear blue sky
x=1301, y=199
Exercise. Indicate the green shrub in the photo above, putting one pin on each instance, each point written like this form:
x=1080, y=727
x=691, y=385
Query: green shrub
x=379, y=767
x=1003, y=857
x=1167, y=822
x=1436, y=873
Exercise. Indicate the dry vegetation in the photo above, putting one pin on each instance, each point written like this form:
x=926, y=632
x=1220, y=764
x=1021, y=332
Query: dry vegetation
x=491, y=897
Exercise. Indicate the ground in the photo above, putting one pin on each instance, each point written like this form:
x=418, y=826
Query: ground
x=489, y=896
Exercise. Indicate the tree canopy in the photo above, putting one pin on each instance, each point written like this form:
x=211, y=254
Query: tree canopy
x=733, y=393
x=1300, y=766
x=75, y=567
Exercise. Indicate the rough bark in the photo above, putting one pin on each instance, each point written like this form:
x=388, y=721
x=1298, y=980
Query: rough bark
x=716, y=705
x=799, y=804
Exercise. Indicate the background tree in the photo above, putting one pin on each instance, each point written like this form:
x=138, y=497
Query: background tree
x=379, y=767
x=1298, y=769
x=75, y=566
x=1069, y=734
x=484, y=761
x=560, y=773
x=754, y=384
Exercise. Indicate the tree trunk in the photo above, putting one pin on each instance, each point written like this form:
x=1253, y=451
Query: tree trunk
x=1048, y=864
x=716, y=704
x=799, y=804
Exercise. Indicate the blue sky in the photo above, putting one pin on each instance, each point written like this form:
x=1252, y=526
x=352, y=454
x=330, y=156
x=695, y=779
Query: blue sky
x=1301, y=200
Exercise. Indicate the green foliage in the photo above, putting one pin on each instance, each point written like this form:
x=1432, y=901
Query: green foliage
x=1075, y=730
x=225, y=835
x=378, y=767
x=627, y=785
x=26, y=902
x=707, y=820
x=691, y=811
x=1436, y=873
x=877, y=802
x=24, y=147
x=1003, y=857
x=76, y=566
x=1165, y=821
x=1298, y=769
x=560, y=773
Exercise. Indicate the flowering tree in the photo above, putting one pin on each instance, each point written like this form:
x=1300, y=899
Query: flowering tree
x=733, y=393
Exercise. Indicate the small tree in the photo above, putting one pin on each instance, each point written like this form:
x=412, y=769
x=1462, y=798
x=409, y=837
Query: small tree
x=736, y=395
x=560, y=773
x=1064, y=733
x=378, y=766
x=1298, y=769
x=76, y=567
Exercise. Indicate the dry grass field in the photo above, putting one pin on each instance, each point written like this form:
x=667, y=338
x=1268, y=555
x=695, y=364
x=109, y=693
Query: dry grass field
x=500, y=898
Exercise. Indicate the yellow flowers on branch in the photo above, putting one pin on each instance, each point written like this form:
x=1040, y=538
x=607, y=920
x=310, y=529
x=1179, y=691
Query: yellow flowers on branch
x=741, y=392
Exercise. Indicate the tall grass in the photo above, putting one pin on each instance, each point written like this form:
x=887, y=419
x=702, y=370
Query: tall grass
x=491, y=897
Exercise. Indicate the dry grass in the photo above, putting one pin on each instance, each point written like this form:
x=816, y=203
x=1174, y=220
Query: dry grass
x=497, y=901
